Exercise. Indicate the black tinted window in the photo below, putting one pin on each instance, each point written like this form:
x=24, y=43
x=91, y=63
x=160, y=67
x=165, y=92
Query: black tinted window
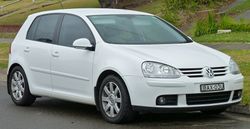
x=32, y=29
x=73, y=28
x=46, y=28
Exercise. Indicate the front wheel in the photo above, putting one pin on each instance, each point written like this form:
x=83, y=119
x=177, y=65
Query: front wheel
x=19, y=88
x=114, y=101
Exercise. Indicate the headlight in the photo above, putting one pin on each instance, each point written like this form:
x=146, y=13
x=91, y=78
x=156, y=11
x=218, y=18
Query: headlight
x=158, y=70
x=233, y=67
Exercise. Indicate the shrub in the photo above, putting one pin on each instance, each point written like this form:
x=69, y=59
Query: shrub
x=187, y=4
x=172, y=8
x=171, y=17
x=209, y=25
x=206, y=26
x=227, y=22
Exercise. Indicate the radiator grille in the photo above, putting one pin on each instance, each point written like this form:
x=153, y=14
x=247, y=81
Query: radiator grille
x=198, y=72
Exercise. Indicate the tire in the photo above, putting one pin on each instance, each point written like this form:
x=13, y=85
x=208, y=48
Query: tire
x=214, y=111
x=115, y=99
x=19, y=88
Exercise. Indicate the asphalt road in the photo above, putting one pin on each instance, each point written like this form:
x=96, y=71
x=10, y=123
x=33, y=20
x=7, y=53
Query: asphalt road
x=56, y=114
x=5, y=40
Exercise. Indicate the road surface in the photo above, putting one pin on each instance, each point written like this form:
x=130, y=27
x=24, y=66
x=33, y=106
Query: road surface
x=56, y=114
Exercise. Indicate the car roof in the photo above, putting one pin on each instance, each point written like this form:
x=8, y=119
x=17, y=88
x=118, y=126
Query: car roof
x=92, y=11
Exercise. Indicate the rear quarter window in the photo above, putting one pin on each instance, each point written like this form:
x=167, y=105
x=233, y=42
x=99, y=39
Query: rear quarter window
x=32, y=29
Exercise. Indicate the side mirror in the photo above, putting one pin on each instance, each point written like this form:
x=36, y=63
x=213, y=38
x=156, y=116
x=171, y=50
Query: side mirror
x=82, y=43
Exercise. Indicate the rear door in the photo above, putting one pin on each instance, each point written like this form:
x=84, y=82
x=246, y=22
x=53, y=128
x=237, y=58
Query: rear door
x=71, y=67
x=38, y=48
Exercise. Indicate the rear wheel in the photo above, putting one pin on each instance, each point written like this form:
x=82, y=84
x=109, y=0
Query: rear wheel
x=114, y=101
x=19, y=88
x=214, y=111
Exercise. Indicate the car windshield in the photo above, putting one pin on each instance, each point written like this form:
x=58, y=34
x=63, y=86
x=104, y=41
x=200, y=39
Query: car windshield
x=136, y=29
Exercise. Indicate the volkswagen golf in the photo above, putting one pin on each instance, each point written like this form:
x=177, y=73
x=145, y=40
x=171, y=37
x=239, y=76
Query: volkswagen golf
x=124, y=62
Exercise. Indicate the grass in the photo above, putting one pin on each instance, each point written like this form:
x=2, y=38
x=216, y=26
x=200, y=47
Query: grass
x=244, y=6
x=4, y=53
x=7, y=35
x=2, y=2
x=241, y=37
x=242, y=57
x=154, y=7
x=19, y=18
x=24, y=4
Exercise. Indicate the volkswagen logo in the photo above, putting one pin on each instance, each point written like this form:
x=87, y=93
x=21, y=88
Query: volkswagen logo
x=208, y=72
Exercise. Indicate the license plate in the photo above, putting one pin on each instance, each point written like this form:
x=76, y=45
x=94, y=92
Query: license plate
x=212, y=87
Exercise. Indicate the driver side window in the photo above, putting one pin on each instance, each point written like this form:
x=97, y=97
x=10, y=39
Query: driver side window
x=73, y=28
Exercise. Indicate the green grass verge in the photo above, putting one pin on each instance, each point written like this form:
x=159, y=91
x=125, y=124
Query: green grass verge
x=241, y=37
x=19, y=18
x=7, y=35
x=4, y=53
x=242, y=57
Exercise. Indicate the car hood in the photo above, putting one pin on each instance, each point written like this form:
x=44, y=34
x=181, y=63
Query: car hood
x=188, y=55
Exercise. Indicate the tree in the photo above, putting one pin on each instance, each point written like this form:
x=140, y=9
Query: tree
x=109, y=3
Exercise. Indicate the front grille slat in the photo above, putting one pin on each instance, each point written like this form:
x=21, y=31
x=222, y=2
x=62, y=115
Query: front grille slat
x=219, y=67
x=193, y=76
x=219, y=74
x=219, y=71
x=208, y=98
x=190, y=69
x=198, y=72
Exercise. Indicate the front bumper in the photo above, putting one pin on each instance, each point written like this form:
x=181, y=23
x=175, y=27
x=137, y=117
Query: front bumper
x=144, y=91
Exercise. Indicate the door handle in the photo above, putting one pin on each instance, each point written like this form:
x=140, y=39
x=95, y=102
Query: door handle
x=55, y=54
x=27, y=49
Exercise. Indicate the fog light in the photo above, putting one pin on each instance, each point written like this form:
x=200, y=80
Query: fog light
x=237, y=94
x=161, y=100
x=166, y=100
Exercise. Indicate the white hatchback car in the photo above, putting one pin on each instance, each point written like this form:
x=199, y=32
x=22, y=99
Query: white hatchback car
x=122, y=61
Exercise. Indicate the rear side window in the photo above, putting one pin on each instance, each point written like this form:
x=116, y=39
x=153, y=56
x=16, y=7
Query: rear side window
x=32, y=29
x=43, y=28
x=73, y=28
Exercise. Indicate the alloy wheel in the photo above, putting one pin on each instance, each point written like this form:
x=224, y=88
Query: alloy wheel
x=17, y=85
x=111, y=99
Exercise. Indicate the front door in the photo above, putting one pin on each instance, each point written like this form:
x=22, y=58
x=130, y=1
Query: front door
x=71, y=68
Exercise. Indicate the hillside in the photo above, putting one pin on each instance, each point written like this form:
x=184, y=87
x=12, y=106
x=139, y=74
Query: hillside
x=182, y=16
x=15, y=14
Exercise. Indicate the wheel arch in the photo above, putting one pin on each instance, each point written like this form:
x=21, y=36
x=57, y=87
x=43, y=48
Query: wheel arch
x=99, y=81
